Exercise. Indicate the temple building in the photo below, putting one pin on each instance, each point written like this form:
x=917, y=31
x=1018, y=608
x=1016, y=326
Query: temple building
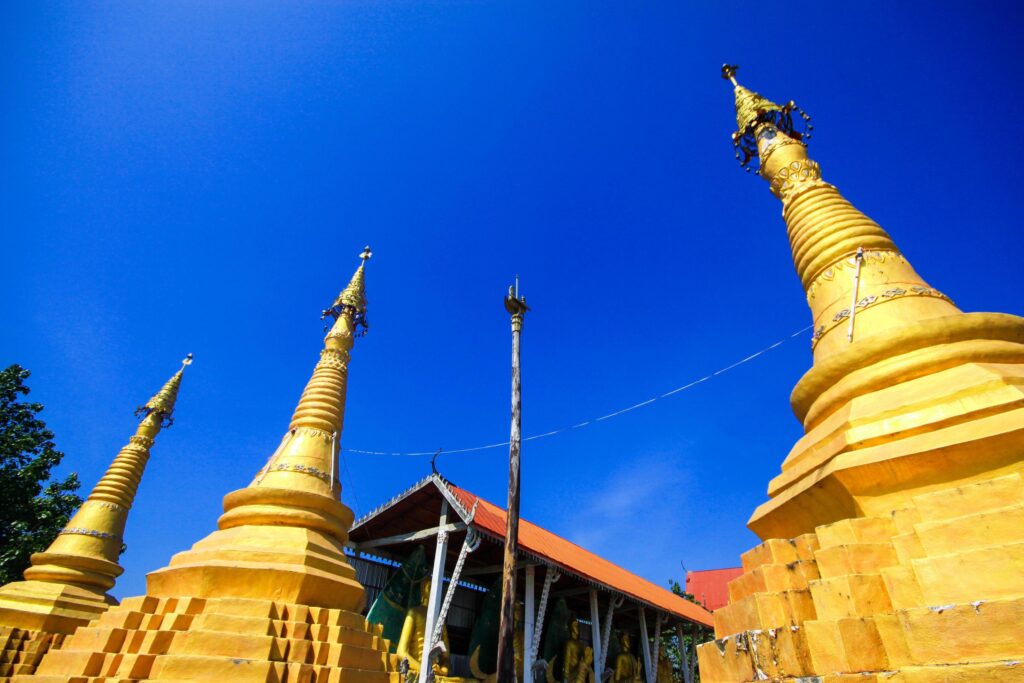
x=894, y=535
x=66, y=586
x=560, y=582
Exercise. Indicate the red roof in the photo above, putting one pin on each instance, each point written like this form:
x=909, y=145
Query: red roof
x=542, y=543
x=710, y=587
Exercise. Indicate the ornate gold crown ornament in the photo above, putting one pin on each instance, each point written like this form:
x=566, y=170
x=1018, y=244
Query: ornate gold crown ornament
x=753, y=110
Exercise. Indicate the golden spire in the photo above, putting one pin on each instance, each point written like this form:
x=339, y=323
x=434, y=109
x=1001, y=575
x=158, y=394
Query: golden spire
x=752, y=110
x=353, y=297
x=858, y=284
x=84, y=555
x=293, y=505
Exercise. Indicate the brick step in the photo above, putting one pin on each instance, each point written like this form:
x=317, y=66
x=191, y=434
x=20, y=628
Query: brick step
x=856, y=530
x=764, y=611
x=780, y=551
x=972, y=498
x=954, y=634
x=1006, y=671
x=755, y=655
x=772, y=578
x=993, y=527
x=845, y=646
x=853, y=595
x=902, y=586
x=908, y=547
x=972, y=575
x=857, y=558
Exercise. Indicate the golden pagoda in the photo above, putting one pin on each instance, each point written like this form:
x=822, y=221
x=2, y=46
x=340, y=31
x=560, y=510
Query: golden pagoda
x=66, y=586
x=894, y=535
x=269, y=596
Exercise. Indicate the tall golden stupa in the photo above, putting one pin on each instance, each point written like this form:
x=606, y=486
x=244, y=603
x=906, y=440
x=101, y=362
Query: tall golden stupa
x=894, y=535
x=66, y=586
x=269, y=596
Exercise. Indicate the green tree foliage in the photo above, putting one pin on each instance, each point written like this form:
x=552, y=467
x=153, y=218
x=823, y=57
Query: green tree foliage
x=33, y=508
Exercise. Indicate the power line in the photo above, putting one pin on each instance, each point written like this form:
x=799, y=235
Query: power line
x=595, y=420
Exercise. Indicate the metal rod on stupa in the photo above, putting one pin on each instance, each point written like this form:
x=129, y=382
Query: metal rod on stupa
x=516, y=307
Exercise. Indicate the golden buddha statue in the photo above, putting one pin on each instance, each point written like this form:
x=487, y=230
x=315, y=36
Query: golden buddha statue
x=585, y=670
x=626, y=665
x=414, y=636
x=664, y=669
x=572, y=652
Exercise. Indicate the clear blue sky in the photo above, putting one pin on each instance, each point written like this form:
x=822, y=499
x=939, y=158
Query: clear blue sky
x=200, y=177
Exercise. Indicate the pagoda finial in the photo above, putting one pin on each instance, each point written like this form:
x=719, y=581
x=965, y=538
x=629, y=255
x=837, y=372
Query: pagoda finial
x=162, y=403
x=352, y=299
x=757, y=115
x=729, y=72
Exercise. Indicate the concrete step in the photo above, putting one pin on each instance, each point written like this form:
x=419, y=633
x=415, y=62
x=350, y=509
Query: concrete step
x=972, y=575
x=856, y=530
x=858, y=558
x=772, y=578
x=764, y=611
x=972, y=498
x=987, y=528
x=955, y=634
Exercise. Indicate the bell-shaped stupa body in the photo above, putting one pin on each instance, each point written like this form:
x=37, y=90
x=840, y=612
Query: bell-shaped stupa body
x=66, y=586
x=269, y=596
x=894, y=535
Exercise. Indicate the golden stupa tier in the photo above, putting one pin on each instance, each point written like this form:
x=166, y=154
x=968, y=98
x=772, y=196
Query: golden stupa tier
x=66, y=586
x=269, y=596
x=894, y=535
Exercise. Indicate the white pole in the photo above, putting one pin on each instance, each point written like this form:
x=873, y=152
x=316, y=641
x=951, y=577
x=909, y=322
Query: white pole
x=645, y=645
x=856, y=289
x=658, y=620
x=595, y=635
x=436, y=579
x=528, y=626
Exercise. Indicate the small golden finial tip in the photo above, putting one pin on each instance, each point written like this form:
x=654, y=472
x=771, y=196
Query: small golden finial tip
x=729, y=72
x=367, y=254
x=187, y=360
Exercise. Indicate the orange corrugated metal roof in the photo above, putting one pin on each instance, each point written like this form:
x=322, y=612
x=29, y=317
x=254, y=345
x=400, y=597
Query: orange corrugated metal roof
x=542, y=543
x=710, y=587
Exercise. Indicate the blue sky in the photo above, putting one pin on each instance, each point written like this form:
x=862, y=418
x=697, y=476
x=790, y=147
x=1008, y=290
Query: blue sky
x=200, y=177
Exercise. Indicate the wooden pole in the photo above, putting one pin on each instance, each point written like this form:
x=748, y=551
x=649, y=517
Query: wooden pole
x=516, y=307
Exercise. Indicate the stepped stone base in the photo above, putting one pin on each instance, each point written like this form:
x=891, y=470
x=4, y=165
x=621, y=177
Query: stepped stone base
x=217, y=640
x=932, y=592
x=22, y=649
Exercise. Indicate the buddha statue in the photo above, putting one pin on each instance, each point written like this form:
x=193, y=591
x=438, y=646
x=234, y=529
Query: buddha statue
x=664, y=669
x=585, y=671
x=572, y=652
x=414, y=636
x=625, y=664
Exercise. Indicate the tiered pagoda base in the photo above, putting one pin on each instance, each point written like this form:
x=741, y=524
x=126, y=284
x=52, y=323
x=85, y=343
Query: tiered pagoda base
x=221, y=639
x=36, y=616
x=22, y=649
x=933, y=592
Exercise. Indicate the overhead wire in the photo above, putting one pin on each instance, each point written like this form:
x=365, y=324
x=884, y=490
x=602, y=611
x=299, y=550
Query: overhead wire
x=595, y=420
